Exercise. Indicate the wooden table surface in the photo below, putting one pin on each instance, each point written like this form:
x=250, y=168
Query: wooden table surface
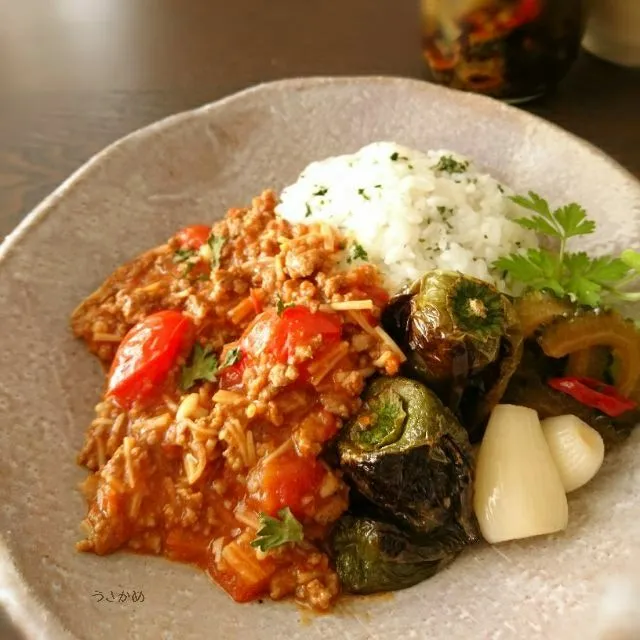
x=77, y=74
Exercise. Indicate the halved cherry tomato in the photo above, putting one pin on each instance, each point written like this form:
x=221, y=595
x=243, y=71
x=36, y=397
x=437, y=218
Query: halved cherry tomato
x=259, y=334
x=146, y=354
x=193, y=237
x=296, y=327
x=379, y=295
x=231, y=376
x=284, y=481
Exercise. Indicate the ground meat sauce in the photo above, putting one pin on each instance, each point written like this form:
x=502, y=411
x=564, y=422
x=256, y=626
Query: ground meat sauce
x=188, y=472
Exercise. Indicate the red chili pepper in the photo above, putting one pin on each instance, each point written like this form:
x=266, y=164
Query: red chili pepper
x=594, y=394
x=523, y=13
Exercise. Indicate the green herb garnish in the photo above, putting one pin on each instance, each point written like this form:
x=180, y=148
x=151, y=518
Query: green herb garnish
x=445, y=212
x=585, y=280
x=450, y=165
x=203, y=366
x=363, y=193
x=274, y=532
x=216, y=243
x=182, y=255
x=357, y=252
x=321, y=191
x=387, y=416
x=281, y=305
x=233, y=356
x=564, y=223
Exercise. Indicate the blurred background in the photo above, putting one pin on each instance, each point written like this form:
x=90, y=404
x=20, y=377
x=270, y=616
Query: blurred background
x=77, y=74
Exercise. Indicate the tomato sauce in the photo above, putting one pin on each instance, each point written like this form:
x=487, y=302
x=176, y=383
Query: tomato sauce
x=226, y=378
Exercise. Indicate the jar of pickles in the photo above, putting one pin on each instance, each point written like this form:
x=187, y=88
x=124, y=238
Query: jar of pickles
x=515, y=50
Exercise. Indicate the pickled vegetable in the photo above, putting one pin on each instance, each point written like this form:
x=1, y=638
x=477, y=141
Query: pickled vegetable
x=589, y=363
x=598, y=329
x=529, y=388
x=537, y=309
x=519, y=490
x=577, y=449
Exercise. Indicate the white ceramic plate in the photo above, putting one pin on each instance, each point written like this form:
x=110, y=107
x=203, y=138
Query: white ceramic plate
x=190, y=168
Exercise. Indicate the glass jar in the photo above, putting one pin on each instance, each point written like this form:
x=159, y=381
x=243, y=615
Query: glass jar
x=515, y=50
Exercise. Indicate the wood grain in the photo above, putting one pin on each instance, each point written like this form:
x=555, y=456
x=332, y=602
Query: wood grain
x=76, y=75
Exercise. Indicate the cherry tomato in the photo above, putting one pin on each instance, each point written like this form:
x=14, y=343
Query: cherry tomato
x=259, y=334
x=379, y=297
x=281, y=335
x=296, y=327
x=231, y=376
x=146, y=354
x=285, y=481
x=193, y=237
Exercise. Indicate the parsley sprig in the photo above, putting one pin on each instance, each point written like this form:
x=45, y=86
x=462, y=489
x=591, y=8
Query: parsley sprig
x=203, y=365
x=588, y=281
x=274, y=532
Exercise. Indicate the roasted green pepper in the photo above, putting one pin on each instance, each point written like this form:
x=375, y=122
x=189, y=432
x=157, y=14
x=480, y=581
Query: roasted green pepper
x=372, y=555
x=407, y=454
x=462, y=337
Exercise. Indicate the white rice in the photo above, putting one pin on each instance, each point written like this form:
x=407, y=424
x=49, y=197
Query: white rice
x=409, y=215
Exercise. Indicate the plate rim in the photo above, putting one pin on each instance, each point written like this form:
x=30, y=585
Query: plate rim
x=33, y=618
x=40, y=211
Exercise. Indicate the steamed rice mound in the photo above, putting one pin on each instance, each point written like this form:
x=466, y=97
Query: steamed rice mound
x=411, y=211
